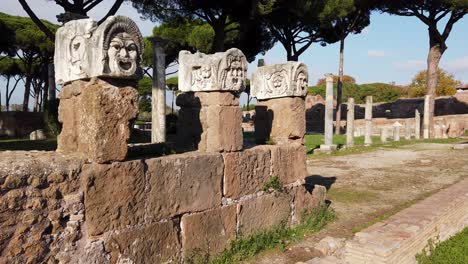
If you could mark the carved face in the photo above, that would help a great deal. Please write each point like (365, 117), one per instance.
(235, 74)
(122, 54)
(301, 81)
(77, 49)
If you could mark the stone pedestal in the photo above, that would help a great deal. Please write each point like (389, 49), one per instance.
(426, 120)
(368, 118)
(280, 111)
(350, 123)
(383, 134)
(280, 120)
(209, 122)
(396, 131)
(95, 119)
(407, 129)
(417, 124)
(210, 119)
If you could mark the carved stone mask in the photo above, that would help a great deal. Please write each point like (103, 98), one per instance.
(122, 55)
(301, 81)
(77, 50)
(235, 74)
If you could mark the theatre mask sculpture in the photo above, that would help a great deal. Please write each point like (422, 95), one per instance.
(222, 71)
(85, 50)
(280, 80)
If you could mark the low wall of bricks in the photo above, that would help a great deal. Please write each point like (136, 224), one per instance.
(399, 238)
(57, 208)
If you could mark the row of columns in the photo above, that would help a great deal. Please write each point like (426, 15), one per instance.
(328, 137)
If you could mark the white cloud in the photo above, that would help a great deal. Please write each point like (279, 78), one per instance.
(376, 53)
(457, 66)
(410, 65)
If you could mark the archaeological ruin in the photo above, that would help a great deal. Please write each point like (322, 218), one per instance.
(88, 202)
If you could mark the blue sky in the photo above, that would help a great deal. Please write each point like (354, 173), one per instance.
(391, 49)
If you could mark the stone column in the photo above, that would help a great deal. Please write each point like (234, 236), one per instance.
(98, 67)
(417, 125)
(426, 125)
(396, 131)
(383, 134)
(280, 90)
(158, 94)
(328, 135)
(368, 118)
(350, 123)
(210, 119)
(407, 129)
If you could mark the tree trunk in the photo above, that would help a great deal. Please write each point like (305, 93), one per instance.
(220, 35)
(339, 89)
(27, 91)
(435, 53)
(51, 82)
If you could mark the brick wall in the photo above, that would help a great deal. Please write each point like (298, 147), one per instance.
(58, 208)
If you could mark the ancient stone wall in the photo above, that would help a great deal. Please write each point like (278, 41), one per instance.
(60, 208)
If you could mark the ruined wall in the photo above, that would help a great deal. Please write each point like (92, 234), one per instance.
(58, 209)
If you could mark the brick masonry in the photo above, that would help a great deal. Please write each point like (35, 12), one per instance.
(399, 238)
(62, 208)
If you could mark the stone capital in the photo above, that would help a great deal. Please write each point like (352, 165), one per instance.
(222, 71)
(280, 80)
(84, 49)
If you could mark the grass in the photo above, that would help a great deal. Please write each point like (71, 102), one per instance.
(273, 184)
(451, 251)
(279, 237)
(350, 196)
(314, 141)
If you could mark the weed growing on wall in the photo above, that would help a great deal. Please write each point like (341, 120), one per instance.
(273, 184)
(453, 250)
(279, 237)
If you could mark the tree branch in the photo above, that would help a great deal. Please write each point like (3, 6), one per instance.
(90, 5)
(112, 11)
(37, 21)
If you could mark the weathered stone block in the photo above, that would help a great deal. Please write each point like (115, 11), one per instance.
(306, 199)
(281, 120)
(96, 122)
(288, 162)
(184, 183)
(222, 129)
(280, 80)
(222, 71)
(209, 122)
(156, 243)
(246, 172)
(114, 195)
(264, 212)
(208, 232)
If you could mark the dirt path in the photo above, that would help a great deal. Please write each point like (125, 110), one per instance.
(364, 188)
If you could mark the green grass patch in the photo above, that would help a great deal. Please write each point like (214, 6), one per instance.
(314, 141)
(343, 195)
(279, 237)
(273, 184)
(451, 251)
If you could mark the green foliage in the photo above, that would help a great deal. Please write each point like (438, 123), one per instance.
(51, 122)
(381, 92)
(27, 36)
(446, 85)
(232, 23)
(201, 38)
(144, 86)
(346, 79)
(144, 116)
(453, 250)
(251, 107)
(280, 237)
(144, 104)
(272, 184)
